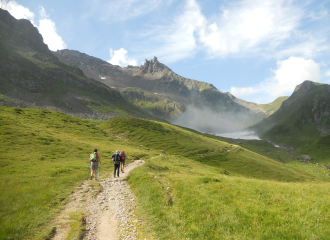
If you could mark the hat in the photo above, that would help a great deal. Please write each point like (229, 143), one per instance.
(117, 151)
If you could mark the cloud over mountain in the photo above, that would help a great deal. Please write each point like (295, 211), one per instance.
(289, 73)
(46, 26)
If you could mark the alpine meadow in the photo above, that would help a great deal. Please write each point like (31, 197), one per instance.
(192, 185)
(181, 180)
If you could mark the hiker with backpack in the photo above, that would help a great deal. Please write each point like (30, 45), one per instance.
(95, 161)
(116, 158)
(122, 163)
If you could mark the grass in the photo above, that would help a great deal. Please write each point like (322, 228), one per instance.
(153, 103)
(186, 200)
(299, 123)
(77, 228)
(272, 107)
(194, 185)
(44, 155)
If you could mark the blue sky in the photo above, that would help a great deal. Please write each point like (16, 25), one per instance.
(256, 49)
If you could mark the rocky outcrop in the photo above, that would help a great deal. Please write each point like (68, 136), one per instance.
(153, 67)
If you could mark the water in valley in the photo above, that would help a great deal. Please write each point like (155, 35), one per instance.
(246, 135)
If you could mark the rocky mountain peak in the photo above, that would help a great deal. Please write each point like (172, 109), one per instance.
(153, 66)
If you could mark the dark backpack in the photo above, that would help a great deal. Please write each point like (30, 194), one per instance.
(117, 158)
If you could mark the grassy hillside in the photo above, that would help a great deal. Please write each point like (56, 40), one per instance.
(44, 155)
(155, 104)
(272, 107)
(181, 199)
(191, 184)
(228, 158)
(303, 122)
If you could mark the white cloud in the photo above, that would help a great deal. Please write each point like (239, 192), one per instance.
(16, 10)
(119, 57)
(269, 28)
(289, 73)
(121, 10)
(327, 73)
(47, 29)
(250, 26)
(46, 26)
(177, 41)
(243, 91)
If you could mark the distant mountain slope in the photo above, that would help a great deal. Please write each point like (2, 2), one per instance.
(153, 103)
(302, 121)
(272, 107)
(31, 76)
(199, 98)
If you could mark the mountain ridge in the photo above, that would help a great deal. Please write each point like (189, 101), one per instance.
(31, 76)
(156, 78)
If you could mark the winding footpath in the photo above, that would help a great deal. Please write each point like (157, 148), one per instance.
(110, 212)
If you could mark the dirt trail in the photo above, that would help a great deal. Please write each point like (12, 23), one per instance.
(110, 212)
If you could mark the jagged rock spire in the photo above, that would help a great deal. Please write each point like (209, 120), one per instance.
(152, 66)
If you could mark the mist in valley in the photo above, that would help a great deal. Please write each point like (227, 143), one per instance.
(208, 121)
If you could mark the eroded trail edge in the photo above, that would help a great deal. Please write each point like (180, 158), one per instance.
(110, 212)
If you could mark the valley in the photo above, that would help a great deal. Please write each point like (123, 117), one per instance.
(200, 179)
(228, 188)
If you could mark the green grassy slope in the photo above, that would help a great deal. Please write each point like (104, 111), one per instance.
(44, 155)
(272, 107)
(181, 199)
(155, 104)
(228, 158)
(300, 122)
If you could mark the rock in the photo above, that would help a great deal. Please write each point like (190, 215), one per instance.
(306, 157)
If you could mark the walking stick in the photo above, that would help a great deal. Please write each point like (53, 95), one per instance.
(98, 173)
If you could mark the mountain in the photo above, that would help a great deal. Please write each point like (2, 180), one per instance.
(194, 104)
(302, 121)
(31, 76)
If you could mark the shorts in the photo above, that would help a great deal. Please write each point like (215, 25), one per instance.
(122, 163)
(94, 165)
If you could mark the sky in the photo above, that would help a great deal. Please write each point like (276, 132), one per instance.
(257, 50)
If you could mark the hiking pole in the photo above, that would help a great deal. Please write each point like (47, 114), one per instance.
(98, 173)
(90, 170)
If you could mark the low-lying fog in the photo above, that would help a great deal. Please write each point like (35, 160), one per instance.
(228, 124)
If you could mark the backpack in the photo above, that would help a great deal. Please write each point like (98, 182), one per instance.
(123, 155)
(117, 158)
(93, 157)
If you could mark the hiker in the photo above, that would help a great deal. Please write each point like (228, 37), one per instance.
(95, 160)
(122, 163)
(116, 158)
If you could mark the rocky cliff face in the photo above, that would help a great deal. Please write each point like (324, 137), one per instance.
(31, 76)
